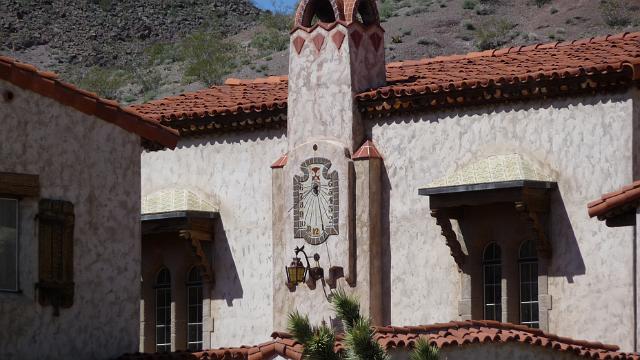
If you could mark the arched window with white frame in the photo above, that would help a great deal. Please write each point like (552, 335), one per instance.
(528, 264)
(163, 311)
(492, 282)
(194, 309)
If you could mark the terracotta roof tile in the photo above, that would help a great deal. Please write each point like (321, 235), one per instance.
(234, 97)
(47, 84)
(281, 162)
(617, 56)
(455, 333)
(616, 201)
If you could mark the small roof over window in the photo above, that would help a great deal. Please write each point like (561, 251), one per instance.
(493, 172)
(176, 200)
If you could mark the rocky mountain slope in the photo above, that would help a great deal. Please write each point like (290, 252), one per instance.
(138, 50)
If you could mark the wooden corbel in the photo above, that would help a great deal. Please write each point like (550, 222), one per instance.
(532, 214)
(443, 219)
(195, 238)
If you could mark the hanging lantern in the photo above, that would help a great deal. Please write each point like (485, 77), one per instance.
(296, 272)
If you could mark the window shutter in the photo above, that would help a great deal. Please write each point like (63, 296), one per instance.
(55, 235)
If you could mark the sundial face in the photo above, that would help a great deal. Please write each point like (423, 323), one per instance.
(315, 201)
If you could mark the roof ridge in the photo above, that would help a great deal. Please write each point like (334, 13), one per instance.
(513, 49)
(262, 80)
(48, 84)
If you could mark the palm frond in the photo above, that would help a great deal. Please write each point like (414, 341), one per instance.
(299, 327)
(424, 351)
(320, 345)
(360, 342)
(347, 308)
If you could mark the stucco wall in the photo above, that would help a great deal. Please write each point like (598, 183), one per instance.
(96, 166)
(235, 169)
(587, 142)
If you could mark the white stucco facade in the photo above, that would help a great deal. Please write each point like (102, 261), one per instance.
(96, 166)
(586, 142)
(235, 169)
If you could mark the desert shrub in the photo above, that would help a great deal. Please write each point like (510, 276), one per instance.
(469, 4)
(541, 3)
(428, 42)
(615, 12)
(387, 9)
(417, 10)
(485, 10)
(163, 53)
(494, 33)
(553, 10)
(469, 25)
(209, 57)
(270, 40)
(104, 81)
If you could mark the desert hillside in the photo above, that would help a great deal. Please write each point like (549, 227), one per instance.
(135, 51)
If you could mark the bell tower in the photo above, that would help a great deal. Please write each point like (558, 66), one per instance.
(326, 189)
(336, 51)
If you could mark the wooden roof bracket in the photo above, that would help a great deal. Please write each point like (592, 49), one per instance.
(443, 219)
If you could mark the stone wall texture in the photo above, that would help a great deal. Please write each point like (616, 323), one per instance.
(586, 142)
(235, 170)
(96, 166)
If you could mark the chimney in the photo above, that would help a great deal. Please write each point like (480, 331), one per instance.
(336, 51)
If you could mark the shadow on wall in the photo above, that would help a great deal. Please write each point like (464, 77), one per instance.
(232, 138)
(227, 281)
(386, 247)
(567, 259)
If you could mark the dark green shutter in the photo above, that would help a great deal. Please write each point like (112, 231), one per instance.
(55, 237)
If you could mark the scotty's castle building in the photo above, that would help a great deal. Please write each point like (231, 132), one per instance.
(456, 191)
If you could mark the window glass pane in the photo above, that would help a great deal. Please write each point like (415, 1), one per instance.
(194, 310)
(529, 285)
(8, 244)
(492, 277)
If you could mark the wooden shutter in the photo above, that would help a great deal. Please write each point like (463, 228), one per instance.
(55, 236)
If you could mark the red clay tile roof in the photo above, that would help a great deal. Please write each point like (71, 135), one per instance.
(616, 202)
(541, 70)
(47, 84)
(234, 97)
(515, 65)
(455, 333)
(367, 151)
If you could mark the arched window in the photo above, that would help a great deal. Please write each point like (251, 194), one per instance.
(163, 311)
(367, 12)
(492, 280)
(194, 309)
(528, 263)
(318, 10)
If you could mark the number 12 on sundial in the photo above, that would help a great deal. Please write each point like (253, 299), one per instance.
(315, 201)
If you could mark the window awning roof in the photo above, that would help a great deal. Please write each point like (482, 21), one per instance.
(177, 200)
(494, 172)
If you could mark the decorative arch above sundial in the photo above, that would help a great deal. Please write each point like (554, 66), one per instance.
(315, 201)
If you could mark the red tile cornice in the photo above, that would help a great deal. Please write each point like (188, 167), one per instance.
(541, 70)
(443, 335)
(610, 202)
(367, 151)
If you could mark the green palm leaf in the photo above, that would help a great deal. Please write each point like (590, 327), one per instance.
(424, 351)
(300, 328)
(347, 308)
(360, 342)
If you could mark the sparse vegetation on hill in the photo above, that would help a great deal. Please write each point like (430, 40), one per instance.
(136, 51)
